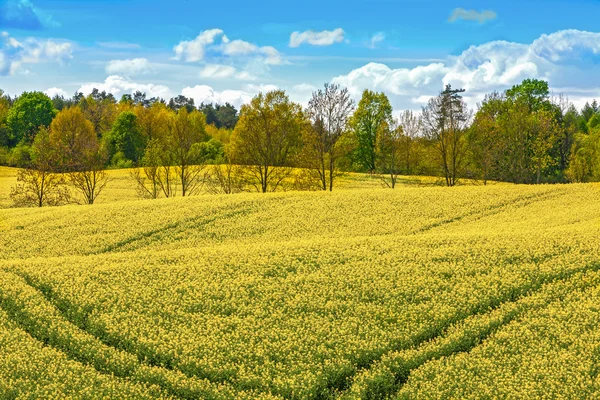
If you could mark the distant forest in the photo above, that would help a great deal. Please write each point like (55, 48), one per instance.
(522, 135)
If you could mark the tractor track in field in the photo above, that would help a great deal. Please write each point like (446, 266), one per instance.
(403, 378)
(81, 320)
(173, 228)
(72, 314)
(17, 312)
(516, 295)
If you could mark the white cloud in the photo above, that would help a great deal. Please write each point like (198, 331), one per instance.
(118, 85)
(54, 91)
(206, 94)
(472, 15)
(376, 39)
(239, 47)
(218, 71)
(129, 67)
(302, 93)
(270, 55)
(401, 81)
(15, 54)
(194, 50)
(323, 38)
(564, 58)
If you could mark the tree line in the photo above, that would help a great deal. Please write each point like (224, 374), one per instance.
(521, 135)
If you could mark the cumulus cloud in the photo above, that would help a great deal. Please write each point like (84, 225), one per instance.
(556, 57)
(21, 14)
(194, 50)
(323, 38)
(54, 91)
(15, 54)
(206, 94)
(129, 67)
(270, 55)
(207, 42)
(118, 85)
(472, 15)
(401, 81)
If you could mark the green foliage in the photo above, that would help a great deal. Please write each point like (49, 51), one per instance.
(4, 131)
(31, 111)
(100, 109)
(593, 122)
(221, 116)
(374, 113)
(19, 156)
(511, 140)
(212, 151)
(127, 138)
(585, 157)
(120, 160)
(533, 92)
(179, 102)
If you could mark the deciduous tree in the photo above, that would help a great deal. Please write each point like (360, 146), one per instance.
(389, 142)
(30, 111)
(186, 132)
(268, 137)
(446, 119)
(373, 113)
(81, 156)
(39, 184)
(329, 110)
(126, 136)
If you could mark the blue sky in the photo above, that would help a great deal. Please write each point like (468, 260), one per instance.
(228, 51)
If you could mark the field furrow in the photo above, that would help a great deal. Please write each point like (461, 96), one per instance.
(26, 306)
(295, 295)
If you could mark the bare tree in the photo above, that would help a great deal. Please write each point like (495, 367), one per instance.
(156, 175)
(225, 179)
(412, 126)
(388, 151)
(90, 178)
(329, 110)
(445, 121)
(187, 131)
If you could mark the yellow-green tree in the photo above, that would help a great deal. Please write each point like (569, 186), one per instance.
(39, 184)
(268, 137)
(79, 153)
(187, 130)
(100, 109)
(153, 121)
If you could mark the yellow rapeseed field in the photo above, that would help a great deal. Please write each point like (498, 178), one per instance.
(362, 293)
